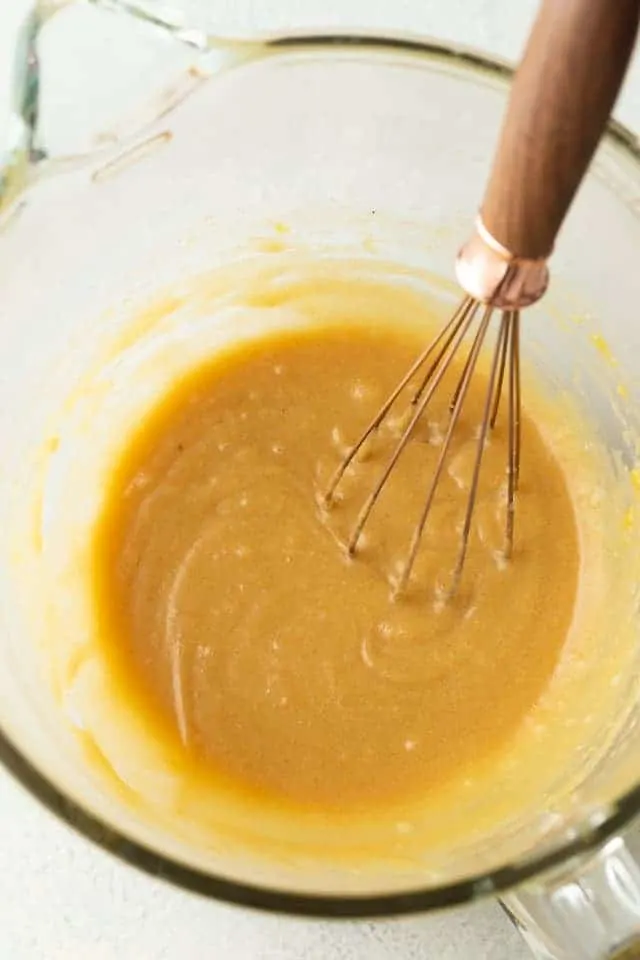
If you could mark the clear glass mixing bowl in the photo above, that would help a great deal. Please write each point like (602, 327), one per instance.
(200, 146)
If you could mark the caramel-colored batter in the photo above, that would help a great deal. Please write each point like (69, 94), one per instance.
(235, 620)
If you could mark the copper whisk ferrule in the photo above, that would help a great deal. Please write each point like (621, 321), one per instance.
(489, 273)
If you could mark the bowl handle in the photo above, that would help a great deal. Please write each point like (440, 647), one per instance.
(591, 912)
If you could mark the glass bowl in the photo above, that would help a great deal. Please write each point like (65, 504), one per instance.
(249, 148)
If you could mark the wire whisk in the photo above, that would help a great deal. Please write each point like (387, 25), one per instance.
(554, 120)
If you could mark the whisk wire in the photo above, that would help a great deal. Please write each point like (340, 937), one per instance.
(514, 428)
(461, 393)
(447, 333)
(468, 306)
(492, 399)
(454, 345)
(517, 419)
(503, 346)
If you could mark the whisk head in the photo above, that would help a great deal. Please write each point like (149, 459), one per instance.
(427, 373)
(497, 283)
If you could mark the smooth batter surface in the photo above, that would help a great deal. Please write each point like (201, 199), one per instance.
(231, 614)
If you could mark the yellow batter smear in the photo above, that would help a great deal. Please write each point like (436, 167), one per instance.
(264, 657)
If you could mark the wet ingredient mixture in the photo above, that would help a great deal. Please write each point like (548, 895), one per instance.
(231, 613)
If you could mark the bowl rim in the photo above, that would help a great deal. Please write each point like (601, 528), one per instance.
(339, 906)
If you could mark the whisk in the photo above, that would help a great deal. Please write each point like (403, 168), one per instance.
(563, 92)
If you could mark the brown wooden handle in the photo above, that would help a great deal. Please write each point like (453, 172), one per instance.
(562, 95)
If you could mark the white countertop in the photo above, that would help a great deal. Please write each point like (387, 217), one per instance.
(61, 899)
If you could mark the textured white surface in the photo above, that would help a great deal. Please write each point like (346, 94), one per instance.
(63, 900)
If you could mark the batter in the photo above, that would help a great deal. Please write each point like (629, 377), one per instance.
(233, 617)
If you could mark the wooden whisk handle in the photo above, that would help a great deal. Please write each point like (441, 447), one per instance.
(563, 93)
